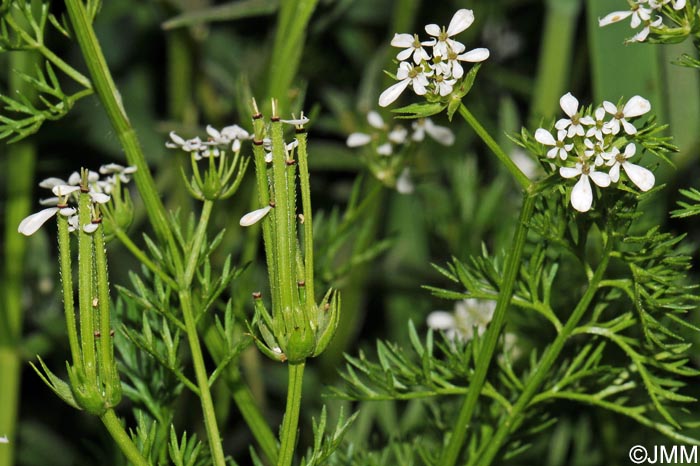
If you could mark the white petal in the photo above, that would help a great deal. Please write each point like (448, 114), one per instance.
(398, 135)
(544, 137)
(63, 190)
(385, 149)
(404, 185)
(67, 211)
(213, 132)
(99, 198)
(49, 201)
(254, 217)
(679, 4)
(600, 178)
(441, 134)
(74, 179)
(476, 55)
(610, 107)
(582, 195)
(393, 93)
(4, 439)
(358, 139)
(569, 172)
(433, 29)
(630, 150)
(615, 173)
(296, 122)
(31, 224)
(375, 120)
(636, 106)
(614, 17)
(440, 320)
(402, 40)
(461, 20)
(640, 176)
(629, 127)
(91, 227)
(51, 182)
(569, 104)
(176, 139)
(404, 54)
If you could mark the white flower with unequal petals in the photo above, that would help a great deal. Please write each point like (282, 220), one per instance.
(635, 107)
(441, 134)
(595, 150)
(450, 66)
(638, 13)
(460, 21)
(251, 218)
(443, 85)
(599, 129)
(232, 134)
(412, 47)
(575, 122)
(658, 4)
(559, 146)
(640, 176)
(582, 194)
(642, 35)
(407, 74)
(32, 223)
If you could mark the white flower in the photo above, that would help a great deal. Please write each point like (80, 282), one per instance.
(358, 140)
(658, 4)
(460, 21)
(638, 13)
(644, 33)
(450, 66)
(254, 217)
(640, 176)
(635, 107)
(443, 85)
(412, 46)
(301, 121)
(595, 150)
(441, 134)
(559, 146)
(575, 122)
(407, 74)
(119, 171)
(232, 134)
(599, 129)
(32, 223)
(582, 195)
(4, 439)
(188, 145)
(460, 324)
(398, 135)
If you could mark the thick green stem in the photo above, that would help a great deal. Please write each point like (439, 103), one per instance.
(519, 176)
(308, 220)
(538, 376)
(116, 430)
(66, 271)
(202, 379)
(85, 289)
(483, 362)
(290, 422)
(111, 100)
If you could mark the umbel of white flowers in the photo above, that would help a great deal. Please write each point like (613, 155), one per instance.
(437, 73)
(65, 197)
(594, 145)
(642, 13)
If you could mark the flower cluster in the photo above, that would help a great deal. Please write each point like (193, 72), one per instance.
(387, 141)
(586, 143)
(217, 142)
(643, 13)
(437, 74)
(65, 197)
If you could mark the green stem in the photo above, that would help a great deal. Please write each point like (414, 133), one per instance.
(111, 100)
(66, 271)
(116, 430)
(196, 245)
(542, 370)
(202, 378)
(290, 423)
(519, 176)
(483, 362)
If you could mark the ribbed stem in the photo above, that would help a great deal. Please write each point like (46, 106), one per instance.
(290, 422)
(493, 331)
(116, 430)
